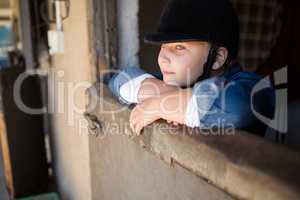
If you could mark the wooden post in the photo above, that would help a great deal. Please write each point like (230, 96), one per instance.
(6, 157)
(103, 35)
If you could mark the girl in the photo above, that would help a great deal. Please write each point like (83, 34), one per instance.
(203, 85)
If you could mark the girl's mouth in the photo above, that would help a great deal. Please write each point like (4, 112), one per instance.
(168, 72)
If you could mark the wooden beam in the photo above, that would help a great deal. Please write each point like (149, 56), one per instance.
(27, 34)
(243, 165)
(6, 157)
(103, 35)
(5, 22)
(6, 13)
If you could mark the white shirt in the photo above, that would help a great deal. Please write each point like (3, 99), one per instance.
(129, 91)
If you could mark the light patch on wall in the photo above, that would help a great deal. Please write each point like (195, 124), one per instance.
(4, 4)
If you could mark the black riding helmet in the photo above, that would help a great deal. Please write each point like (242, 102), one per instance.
(214, 21)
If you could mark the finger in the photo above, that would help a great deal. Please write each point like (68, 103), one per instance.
(140, 124)
(132, 126)
(139, 128)
(132, 115)
(136, 126)
(133, 123)
(175, 123)
(133, 118)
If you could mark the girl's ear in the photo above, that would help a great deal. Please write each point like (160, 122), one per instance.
(221, 57)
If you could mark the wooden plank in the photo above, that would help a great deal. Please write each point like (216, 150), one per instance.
(5, 13)
(4, 194)
(243, 165)
(4, 22)
(103, 35)
(27, 34)
(6, 157)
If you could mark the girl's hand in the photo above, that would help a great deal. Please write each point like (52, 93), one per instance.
(144, 114)
(172, 122)
(170, 106)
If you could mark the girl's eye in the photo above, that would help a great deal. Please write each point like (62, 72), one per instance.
(179, 47)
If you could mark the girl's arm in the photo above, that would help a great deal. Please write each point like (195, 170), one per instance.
(152, 87)
(183, 106)
(208, 104)
(134, 85)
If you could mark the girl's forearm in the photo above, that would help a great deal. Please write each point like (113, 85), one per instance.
(152, 87)
(173, 105)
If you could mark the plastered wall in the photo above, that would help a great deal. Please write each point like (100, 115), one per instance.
(70, 77)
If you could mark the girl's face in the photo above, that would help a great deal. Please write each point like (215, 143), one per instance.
(181, 63)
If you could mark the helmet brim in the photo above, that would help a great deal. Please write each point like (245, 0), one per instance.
(160, 38)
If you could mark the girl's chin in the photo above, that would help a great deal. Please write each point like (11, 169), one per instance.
(171, 82)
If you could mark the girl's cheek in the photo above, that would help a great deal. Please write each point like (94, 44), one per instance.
(184, 62)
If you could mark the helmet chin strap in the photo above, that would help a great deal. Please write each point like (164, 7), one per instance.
(207, 68)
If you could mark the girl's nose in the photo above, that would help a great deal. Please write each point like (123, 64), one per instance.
(163, 57)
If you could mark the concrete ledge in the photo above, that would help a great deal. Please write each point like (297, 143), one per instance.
(243, 165)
